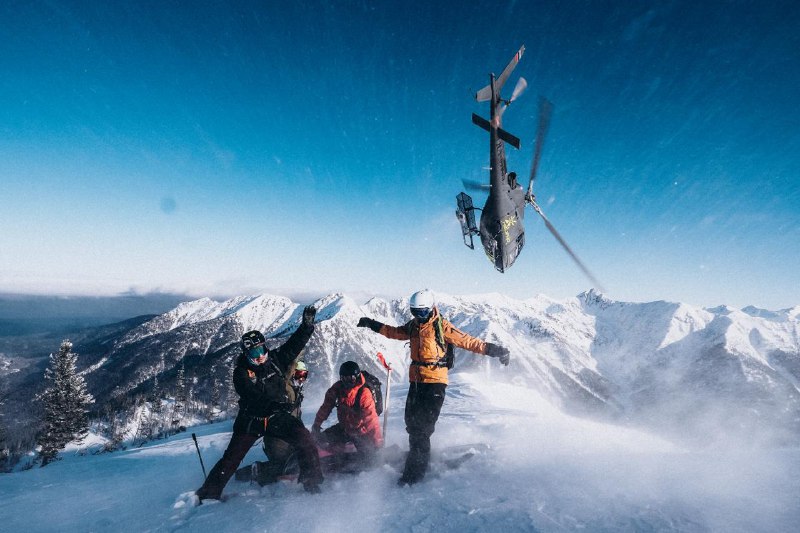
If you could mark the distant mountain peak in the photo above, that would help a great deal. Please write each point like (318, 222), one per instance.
(595, 298)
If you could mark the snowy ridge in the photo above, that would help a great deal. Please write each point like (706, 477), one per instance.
(656, 377)
(647, 362)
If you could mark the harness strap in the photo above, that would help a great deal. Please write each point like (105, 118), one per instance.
(441, 363)
(259, 420)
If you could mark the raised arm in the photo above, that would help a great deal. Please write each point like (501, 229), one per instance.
(291, 349)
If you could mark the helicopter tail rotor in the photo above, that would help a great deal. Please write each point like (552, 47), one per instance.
(519, 88)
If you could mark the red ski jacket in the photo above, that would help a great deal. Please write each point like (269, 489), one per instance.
(362, 421)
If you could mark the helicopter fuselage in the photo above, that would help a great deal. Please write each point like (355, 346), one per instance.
(501, 228)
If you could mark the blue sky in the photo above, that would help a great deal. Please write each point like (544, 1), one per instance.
(223, 149)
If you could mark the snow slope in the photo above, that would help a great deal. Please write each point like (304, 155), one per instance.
(546, 471)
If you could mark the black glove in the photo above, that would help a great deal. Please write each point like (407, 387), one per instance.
(495, 350)
(365, 322)
(309, 313)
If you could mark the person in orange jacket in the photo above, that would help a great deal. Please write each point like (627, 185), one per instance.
(429, 335)
(355, 408)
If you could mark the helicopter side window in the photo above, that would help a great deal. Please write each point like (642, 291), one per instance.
(512, 180)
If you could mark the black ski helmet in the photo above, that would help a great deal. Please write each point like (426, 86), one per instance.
(349, 368)
(250, 340)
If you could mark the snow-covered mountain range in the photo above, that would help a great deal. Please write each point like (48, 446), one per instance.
(720, 377)
(692, 372)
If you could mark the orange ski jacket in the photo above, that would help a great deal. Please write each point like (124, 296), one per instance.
(427, 351)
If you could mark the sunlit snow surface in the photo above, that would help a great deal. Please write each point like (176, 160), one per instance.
(545, 471)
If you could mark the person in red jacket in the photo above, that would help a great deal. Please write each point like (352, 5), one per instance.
(355, 408)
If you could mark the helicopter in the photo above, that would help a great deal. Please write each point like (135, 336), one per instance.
(501, 230)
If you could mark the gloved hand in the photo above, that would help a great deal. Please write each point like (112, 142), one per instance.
(366, 322)
(309, 313)
(495, 350)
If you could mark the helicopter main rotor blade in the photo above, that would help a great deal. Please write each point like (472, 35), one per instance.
(545, 111)
(566, 247)
(476, 186)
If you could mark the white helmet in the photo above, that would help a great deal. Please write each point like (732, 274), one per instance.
(422, 300)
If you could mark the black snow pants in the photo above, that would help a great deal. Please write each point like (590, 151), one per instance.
(423, 405)
(246, 431)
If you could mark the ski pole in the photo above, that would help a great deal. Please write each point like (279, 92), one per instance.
(388, 390)
(194, 438)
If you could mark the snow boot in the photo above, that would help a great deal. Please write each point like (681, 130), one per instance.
(312, 488)
(208, 493)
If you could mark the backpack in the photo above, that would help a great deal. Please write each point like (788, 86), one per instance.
(374, 385)
(449, 358)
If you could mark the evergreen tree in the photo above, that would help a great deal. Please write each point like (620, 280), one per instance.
(140, 436)
(156, 421)
(216, 398)
(180, 396)
(191, 405)
(155, 397)
(115, 431)
(232, 398)
(65, 403)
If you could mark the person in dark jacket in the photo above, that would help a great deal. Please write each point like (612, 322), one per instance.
(429, 335)
(264, 408)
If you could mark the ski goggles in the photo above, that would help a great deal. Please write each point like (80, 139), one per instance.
(422, 313)
(350, 381)
(255, 352)
(300, 375)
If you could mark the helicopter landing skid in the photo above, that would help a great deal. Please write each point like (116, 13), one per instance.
(465, 212)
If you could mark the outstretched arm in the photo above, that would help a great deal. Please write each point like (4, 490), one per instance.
(462, 340)
(290, 350)
(399, 333)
